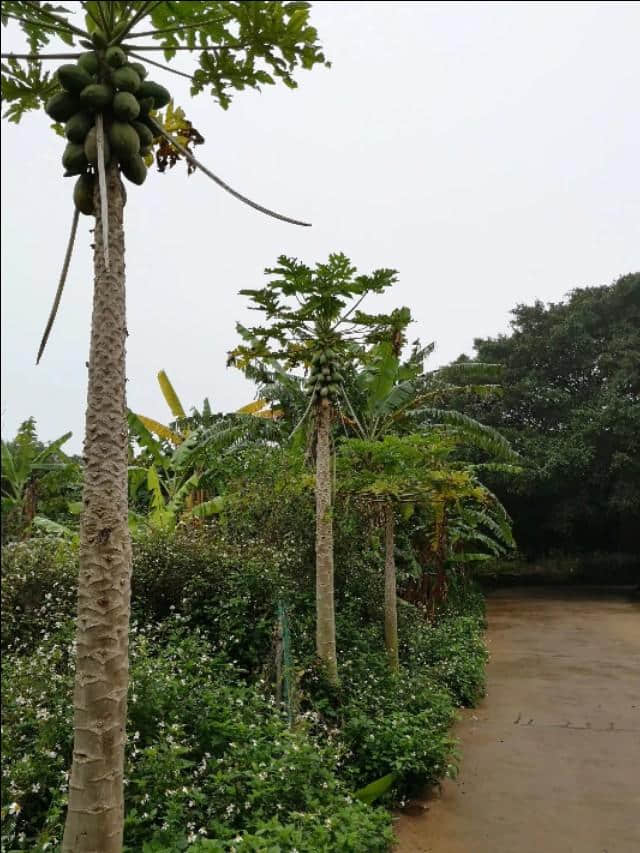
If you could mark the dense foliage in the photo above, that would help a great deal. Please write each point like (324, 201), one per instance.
(571, 406)
(211, 753)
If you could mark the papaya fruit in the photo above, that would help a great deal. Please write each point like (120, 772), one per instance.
(115, 56)
(134, 169)
(125, 79)
(61, 106)
(125, 106)
(139, 68)
(145, 133)
(160, 95)
(91, 148)
(88, 62)
(99, 40)
(73, 78)
(78, 126)
(324, 391)
(124, 140)
(96, 96)
(83, 194)
(74, 159)
(146, 104)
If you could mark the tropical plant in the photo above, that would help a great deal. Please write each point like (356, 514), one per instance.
(389, 397)
(239, 45)
(28, 467)
(397, 476)
(312, 324)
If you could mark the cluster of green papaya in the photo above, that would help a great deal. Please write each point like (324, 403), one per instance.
(324, 381)
(104, 82)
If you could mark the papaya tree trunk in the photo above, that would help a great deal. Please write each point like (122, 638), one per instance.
(325, 612)
(95, 815)
(390, 597)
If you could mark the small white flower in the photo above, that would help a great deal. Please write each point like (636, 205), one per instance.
(15, 808)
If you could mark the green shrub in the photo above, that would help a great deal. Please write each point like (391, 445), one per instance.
(452, 649)
(39, 583)
(201, 705)
(208, 755)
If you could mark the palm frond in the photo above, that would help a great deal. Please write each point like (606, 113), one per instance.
(476, 434)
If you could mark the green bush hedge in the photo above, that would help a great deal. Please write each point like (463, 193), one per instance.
(211, 759)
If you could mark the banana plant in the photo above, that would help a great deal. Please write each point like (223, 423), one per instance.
(168, 478)
(393, 396)
(183, 425)
(25, 462)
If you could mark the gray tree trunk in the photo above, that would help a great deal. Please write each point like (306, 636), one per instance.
(390, 597)
(95, 815)
(325, 612)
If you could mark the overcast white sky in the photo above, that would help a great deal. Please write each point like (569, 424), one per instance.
(487, 151)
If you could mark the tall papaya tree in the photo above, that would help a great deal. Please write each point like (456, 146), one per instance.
(312, 325)
(109, 108)
(396, 475)
(386, 397)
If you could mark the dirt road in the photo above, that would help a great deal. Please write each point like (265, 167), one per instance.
(551, 758)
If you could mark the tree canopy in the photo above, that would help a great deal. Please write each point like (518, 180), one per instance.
(571, 406)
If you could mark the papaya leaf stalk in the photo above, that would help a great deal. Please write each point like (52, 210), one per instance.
(61, 283)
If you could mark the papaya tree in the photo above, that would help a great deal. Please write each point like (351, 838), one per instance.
(395, 476)
(312, 325)
(386, 395)
(103, 102)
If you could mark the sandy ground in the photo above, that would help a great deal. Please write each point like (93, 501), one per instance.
(551, 757)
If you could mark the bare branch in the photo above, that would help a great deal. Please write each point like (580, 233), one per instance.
(42, 24)
(39, 56)
(350, 311)
(102, 180)
(219, 181)
(160, 65)
(177, 29)
(147, 9)
(61, 283)
(64, 22)
(176, 47)
(306, 412)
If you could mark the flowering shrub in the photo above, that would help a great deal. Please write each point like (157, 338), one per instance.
(208, 756)
(39, 582)
(453, 650)
(212, 763)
